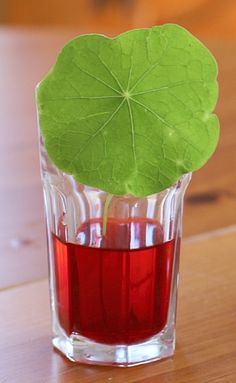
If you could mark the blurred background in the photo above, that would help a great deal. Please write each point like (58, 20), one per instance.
(31, 34)
(205, 18)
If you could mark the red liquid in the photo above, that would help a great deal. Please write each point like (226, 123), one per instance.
(114, 295)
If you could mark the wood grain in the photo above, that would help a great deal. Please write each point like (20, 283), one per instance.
(26, 55)
(206, 328)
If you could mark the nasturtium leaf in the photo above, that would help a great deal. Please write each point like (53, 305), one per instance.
(130, 114)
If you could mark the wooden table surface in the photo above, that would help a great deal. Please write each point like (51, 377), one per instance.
(206, 324)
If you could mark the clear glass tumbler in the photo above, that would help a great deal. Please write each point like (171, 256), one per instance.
(114, 264)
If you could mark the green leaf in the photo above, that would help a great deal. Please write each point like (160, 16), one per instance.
(131, 114)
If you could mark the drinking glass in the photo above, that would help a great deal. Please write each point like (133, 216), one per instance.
(113, 269)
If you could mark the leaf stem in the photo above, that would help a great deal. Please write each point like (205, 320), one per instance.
(105, 214)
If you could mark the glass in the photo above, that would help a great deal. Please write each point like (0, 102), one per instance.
(113, 263)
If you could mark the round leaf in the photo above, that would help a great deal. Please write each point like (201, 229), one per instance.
(130, 114)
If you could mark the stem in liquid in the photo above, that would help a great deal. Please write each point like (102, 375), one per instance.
(105, 214)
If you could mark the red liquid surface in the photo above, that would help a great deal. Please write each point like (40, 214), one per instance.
(113, 294)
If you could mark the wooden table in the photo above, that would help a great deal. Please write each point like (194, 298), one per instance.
(206, 325)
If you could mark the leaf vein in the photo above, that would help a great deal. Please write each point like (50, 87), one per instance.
(82, 97)
(147, 176)
(150, 69)
(96, 133)
(167, 87)
(112, 74)
(164, 122)
(132, 132)
(95, 77)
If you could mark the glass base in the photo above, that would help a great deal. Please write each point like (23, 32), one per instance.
(83, 350)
